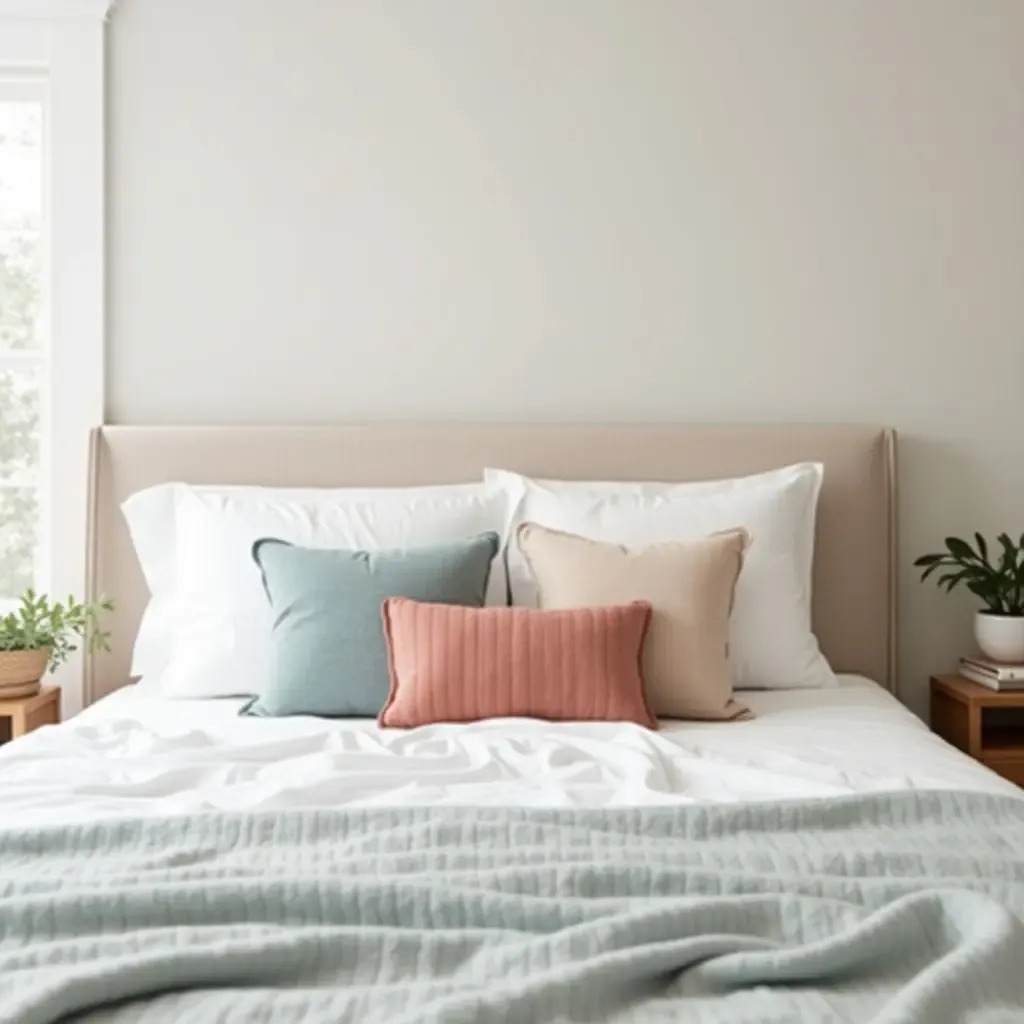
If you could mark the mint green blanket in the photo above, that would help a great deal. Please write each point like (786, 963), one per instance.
(899, 909)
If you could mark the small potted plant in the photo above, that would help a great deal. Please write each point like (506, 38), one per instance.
(999, 583)
(39, 635)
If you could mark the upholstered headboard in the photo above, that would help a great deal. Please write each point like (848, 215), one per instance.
(854, 578)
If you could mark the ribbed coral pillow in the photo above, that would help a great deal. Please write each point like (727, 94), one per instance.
(451, 663)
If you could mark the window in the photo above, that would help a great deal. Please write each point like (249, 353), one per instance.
(51, 293)
(23, 342)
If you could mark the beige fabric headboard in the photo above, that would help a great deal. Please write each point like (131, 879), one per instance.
(854, 579)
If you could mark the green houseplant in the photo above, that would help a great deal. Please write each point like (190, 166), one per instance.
(997, 579)
(40, 634)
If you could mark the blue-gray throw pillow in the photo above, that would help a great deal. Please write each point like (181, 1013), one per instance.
(328, 652)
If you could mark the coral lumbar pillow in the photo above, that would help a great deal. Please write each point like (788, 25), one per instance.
(690, 585)
(461, 664)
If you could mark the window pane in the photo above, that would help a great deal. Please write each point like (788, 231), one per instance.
(21, 157)
(20, 276)
(21, 218)
(19, 425)
(23, 374)
(19, 519)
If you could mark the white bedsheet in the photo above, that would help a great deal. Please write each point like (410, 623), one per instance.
(134, 753)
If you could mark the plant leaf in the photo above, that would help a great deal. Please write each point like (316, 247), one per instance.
(950, 580)
(982, 546)
(984, 591)
(936, 565)
(960, 549)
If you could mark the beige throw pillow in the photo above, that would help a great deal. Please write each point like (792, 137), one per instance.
(690, 586)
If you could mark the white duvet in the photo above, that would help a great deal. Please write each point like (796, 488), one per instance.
(137, 754)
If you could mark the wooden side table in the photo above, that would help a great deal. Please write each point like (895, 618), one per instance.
(28, 713)
(986, 724)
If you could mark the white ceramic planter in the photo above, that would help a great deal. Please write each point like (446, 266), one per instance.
(1001, 637)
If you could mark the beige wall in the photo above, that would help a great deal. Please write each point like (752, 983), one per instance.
(585, 210)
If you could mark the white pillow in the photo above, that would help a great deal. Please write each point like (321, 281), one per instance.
(207, 625)
(772, 645)
(151, 516)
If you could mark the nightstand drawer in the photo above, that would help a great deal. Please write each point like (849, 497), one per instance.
(27, 714)
(1012, 770)
(985, 724)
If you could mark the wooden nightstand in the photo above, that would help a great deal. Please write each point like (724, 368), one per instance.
(28, 713)
(986, 724)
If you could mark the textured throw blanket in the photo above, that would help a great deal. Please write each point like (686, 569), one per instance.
(890, 908)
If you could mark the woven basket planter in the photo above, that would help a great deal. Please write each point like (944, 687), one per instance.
(21, 671)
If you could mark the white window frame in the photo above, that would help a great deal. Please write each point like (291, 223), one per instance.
(64, 40)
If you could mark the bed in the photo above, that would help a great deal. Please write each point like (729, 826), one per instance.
(828, 859)
(136, 754)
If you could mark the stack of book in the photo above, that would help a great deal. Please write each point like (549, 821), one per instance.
(996, 675)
